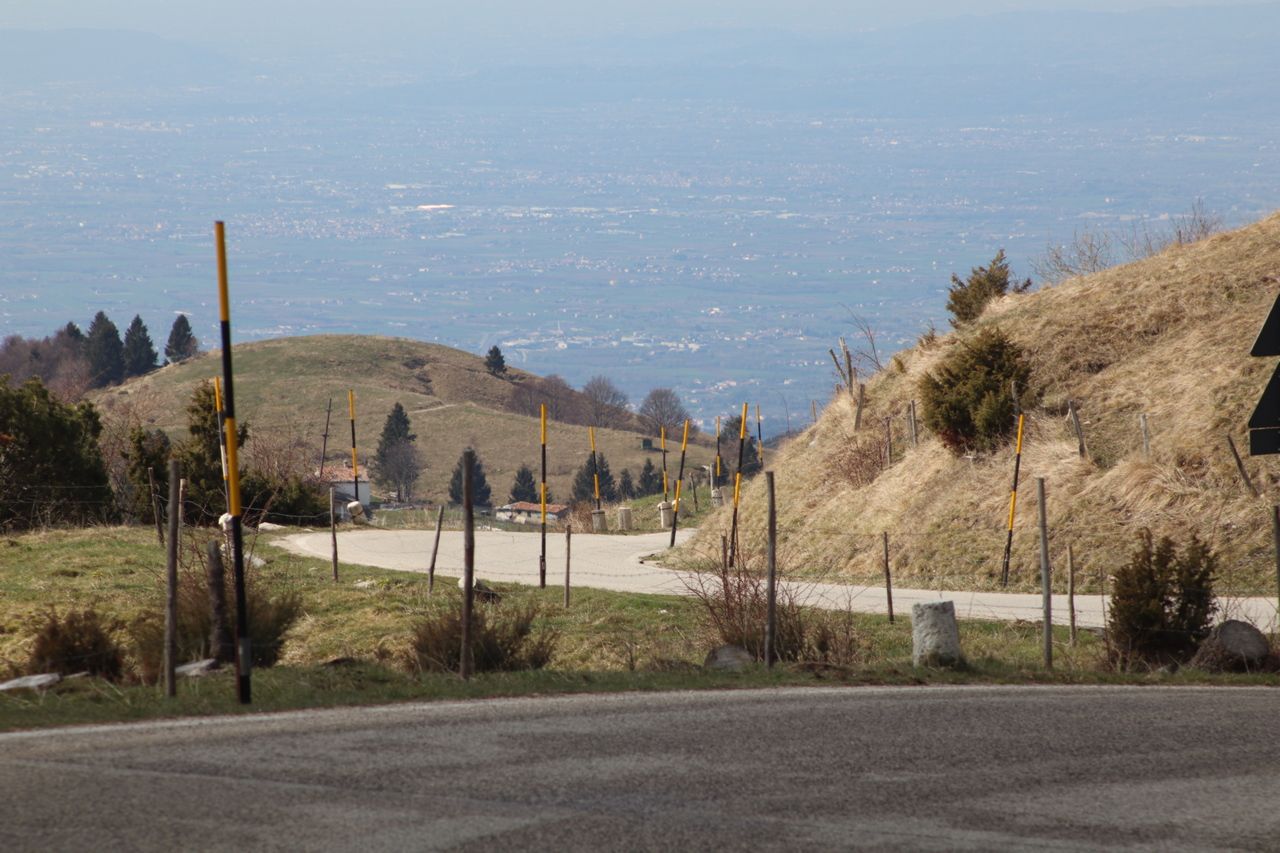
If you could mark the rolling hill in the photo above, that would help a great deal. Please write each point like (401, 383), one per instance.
(283, 387)
(1167, 336)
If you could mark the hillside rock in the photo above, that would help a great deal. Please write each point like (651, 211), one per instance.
(728, 659)
(1232, 646)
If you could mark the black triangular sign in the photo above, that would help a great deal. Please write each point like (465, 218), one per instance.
(1267, 413)
(1268, 342)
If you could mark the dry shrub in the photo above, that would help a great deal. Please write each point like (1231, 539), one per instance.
(75, 642)
(1162, 603)
(271, 615)
(735, 603)
(503, 639)
(859, 461)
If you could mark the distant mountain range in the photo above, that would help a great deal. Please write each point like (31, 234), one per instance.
(1166, 62)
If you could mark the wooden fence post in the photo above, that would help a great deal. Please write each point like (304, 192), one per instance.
(155, 506)
(771, 591)
(431, 570)
(224, 647)
(862, 399)
(1075, 423)
(568, 536)
(468, 560)
(171, 585)
(1244, 473)
(888, 581)
(1046, 576)
(1071, 590)
(333, 528)
(1146, 435)
(911, 424)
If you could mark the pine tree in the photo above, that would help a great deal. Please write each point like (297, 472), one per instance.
(650, 480)
(139, 352)
(626, 487)
(524, 487)
(584, 484)
(395, 464)
(50, 463)
(200, 456)
(182, 343)
(968, 298)
(494, 362)
(147, 449)
(72, 333)
(480, 491)
(105, 352)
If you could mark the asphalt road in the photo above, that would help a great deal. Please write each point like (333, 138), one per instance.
(614, 562)
(979, 768)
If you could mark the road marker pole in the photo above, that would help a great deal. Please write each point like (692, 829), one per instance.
(1013, 504)
(244, 657)
(675, 515)
(737, 486)
(171, 584)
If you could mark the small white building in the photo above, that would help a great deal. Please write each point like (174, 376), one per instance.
(345, 489)
(526, 512)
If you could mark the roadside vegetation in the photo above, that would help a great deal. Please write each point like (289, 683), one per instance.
(378, 636)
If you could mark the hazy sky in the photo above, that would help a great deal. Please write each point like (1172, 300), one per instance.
(459, 25)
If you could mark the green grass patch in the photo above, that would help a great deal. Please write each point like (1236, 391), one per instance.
(608, 641)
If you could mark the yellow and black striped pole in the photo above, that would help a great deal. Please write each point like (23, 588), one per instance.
(222, 437)
(675, 515)
(355, 463)
(542, 495)
(244, 657)
(759, 438)
(1013, 504)
(595, 469)
(737, 486)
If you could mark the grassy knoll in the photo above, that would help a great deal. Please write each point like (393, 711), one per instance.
(284, 385)
(608, 641)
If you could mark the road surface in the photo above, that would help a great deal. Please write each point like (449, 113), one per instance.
(615, 562)
(936, 768)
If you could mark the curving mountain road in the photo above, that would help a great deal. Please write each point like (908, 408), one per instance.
(938, 768)
(615, 562)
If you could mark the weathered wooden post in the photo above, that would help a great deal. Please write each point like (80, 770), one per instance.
(1046, 576)
(468, 560)
(888, 581)
(435, 548)
(771, 592)
(171, 585)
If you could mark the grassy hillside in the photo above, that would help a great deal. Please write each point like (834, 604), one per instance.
(1168, 336)
(284, 385)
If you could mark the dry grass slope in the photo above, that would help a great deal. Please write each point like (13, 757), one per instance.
(1168, 336)
(283, 385)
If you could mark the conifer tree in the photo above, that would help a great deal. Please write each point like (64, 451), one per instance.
(626, 486)
(494, 362)
(105, 352)
(182, 343)
(200, 456)
(139, 352)
(650, 480)
(584, 484)
(395, 463)
(525, 487)
(147, 449)
(480, 491)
